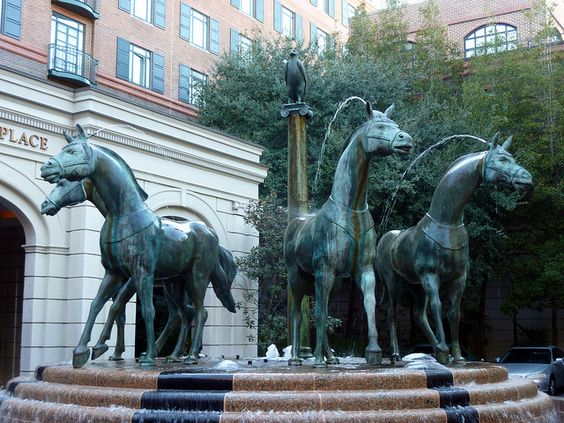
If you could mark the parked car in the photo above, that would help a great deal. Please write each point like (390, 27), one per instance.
(542, 364)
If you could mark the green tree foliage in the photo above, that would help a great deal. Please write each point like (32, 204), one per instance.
(436, 94)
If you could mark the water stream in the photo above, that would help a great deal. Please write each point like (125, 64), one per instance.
(391, 202)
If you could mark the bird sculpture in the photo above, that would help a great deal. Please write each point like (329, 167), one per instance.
(295, 77)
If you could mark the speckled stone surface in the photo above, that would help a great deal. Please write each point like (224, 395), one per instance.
(274, 392)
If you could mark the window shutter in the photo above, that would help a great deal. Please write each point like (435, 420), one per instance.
(183, 83)
(236, 3)
(158, 73)
(332, 8)
(277, 16)
(234, 41)
(313, 33)
(214, 36)
(13, 18)
(122, 59)
(185, 13)
(159, 16)
(125, 5)
(345, 12)
(259, 10)
(299, 32)
(314, 2)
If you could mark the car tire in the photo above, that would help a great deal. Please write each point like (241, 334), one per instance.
(551, 386)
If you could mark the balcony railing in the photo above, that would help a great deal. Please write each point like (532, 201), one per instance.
(72, 64)
(87, 8)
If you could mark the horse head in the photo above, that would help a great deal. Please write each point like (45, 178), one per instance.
(65, 193)
(382, 135)
(499, 166)
(73, 162)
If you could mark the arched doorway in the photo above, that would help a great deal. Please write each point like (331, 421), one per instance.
(12, 261)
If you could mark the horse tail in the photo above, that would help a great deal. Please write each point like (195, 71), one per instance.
(222, 277)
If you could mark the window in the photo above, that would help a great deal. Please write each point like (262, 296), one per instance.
(490, 39)
(139, 66)
(199, 29)
(348, 12)
(239, 43)
(322, 38)
(10, 18)
(252, 8)
(152, 11)
(190, 84)
(329, 7)
(67, 37)
(288, 23)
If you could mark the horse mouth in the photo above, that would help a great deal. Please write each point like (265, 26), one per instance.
(523, 186)
(402, 150)
(48, 208)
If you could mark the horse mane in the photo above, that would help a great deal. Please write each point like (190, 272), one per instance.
(115, 156)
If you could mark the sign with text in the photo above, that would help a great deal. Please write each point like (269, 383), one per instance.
(23, 138)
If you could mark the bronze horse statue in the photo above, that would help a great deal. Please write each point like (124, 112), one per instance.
(68, 193)
(134, 243)
(434, 253)
(339, 240)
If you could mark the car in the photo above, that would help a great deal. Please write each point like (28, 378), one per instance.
(542, 364)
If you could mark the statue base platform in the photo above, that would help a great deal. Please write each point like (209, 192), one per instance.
(261, 391)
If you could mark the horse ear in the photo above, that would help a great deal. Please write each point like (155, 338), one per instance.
(495, 139)
(390, 110)
(68, 136)
(369, 109)
(507, 143)
(81, 132)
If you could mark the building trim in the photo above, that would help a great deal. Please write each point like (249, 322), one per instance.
(22, 49)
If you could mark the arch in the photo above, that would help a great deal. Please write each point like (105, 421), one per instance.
(170, 203)
(490, 38)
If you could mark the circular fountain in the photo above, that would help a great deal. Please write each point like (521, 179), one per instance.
(266, 391)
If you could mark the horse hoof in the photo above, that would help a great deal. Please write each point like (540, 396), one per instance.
(115, 357)
(333, 360)
(294, 362)
(459, 359)
(146, 361)
(442, 357)
(80, 358)
(98, 350)
(190, 360)
(373, 357)
(172, 359)
(319, 364)
(395, 358)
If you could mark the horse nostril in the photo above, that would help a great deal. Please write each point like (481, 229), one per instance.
(401, 135)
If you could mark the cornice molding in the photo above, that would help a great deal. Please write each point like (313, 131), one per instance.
(134, 143)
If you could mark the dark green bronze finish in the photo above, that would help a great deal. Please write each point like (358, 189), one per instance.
(434, 253)
(133, 241)
(339, 240)
(295, 78)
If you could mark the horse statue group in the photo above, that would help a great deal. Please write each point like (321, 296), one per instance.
(339, 241)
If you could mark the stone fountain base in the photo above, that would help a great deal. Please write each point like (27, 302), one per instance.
(258, 391)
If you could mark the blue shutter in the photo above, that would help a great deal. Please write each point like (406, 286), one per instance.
(13, 18)
(125, 5)
(345, 12)
(158, 73)
(184, 83)
(313, 34)
(122, 59)
(332, 8)
(159, 16)
(277, 16)
(314, 2)
(234, 41)
(185, 12)
(214, 36)
(299, 32)
(236, 3)
(259, 10)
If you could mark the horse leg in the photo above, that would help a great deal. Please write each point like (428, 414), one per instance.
(296, 292)
(430, 283)
(107, 288)
(324, 280)
(197, 284)
(454, 316)
(186, 316)
(366, 281)
(173, 315)
(143, 277)
(120, 340)
(393, 300)
(117, 309)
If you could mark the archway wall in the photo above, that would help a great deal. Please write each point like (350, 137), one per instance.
(187, 170)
